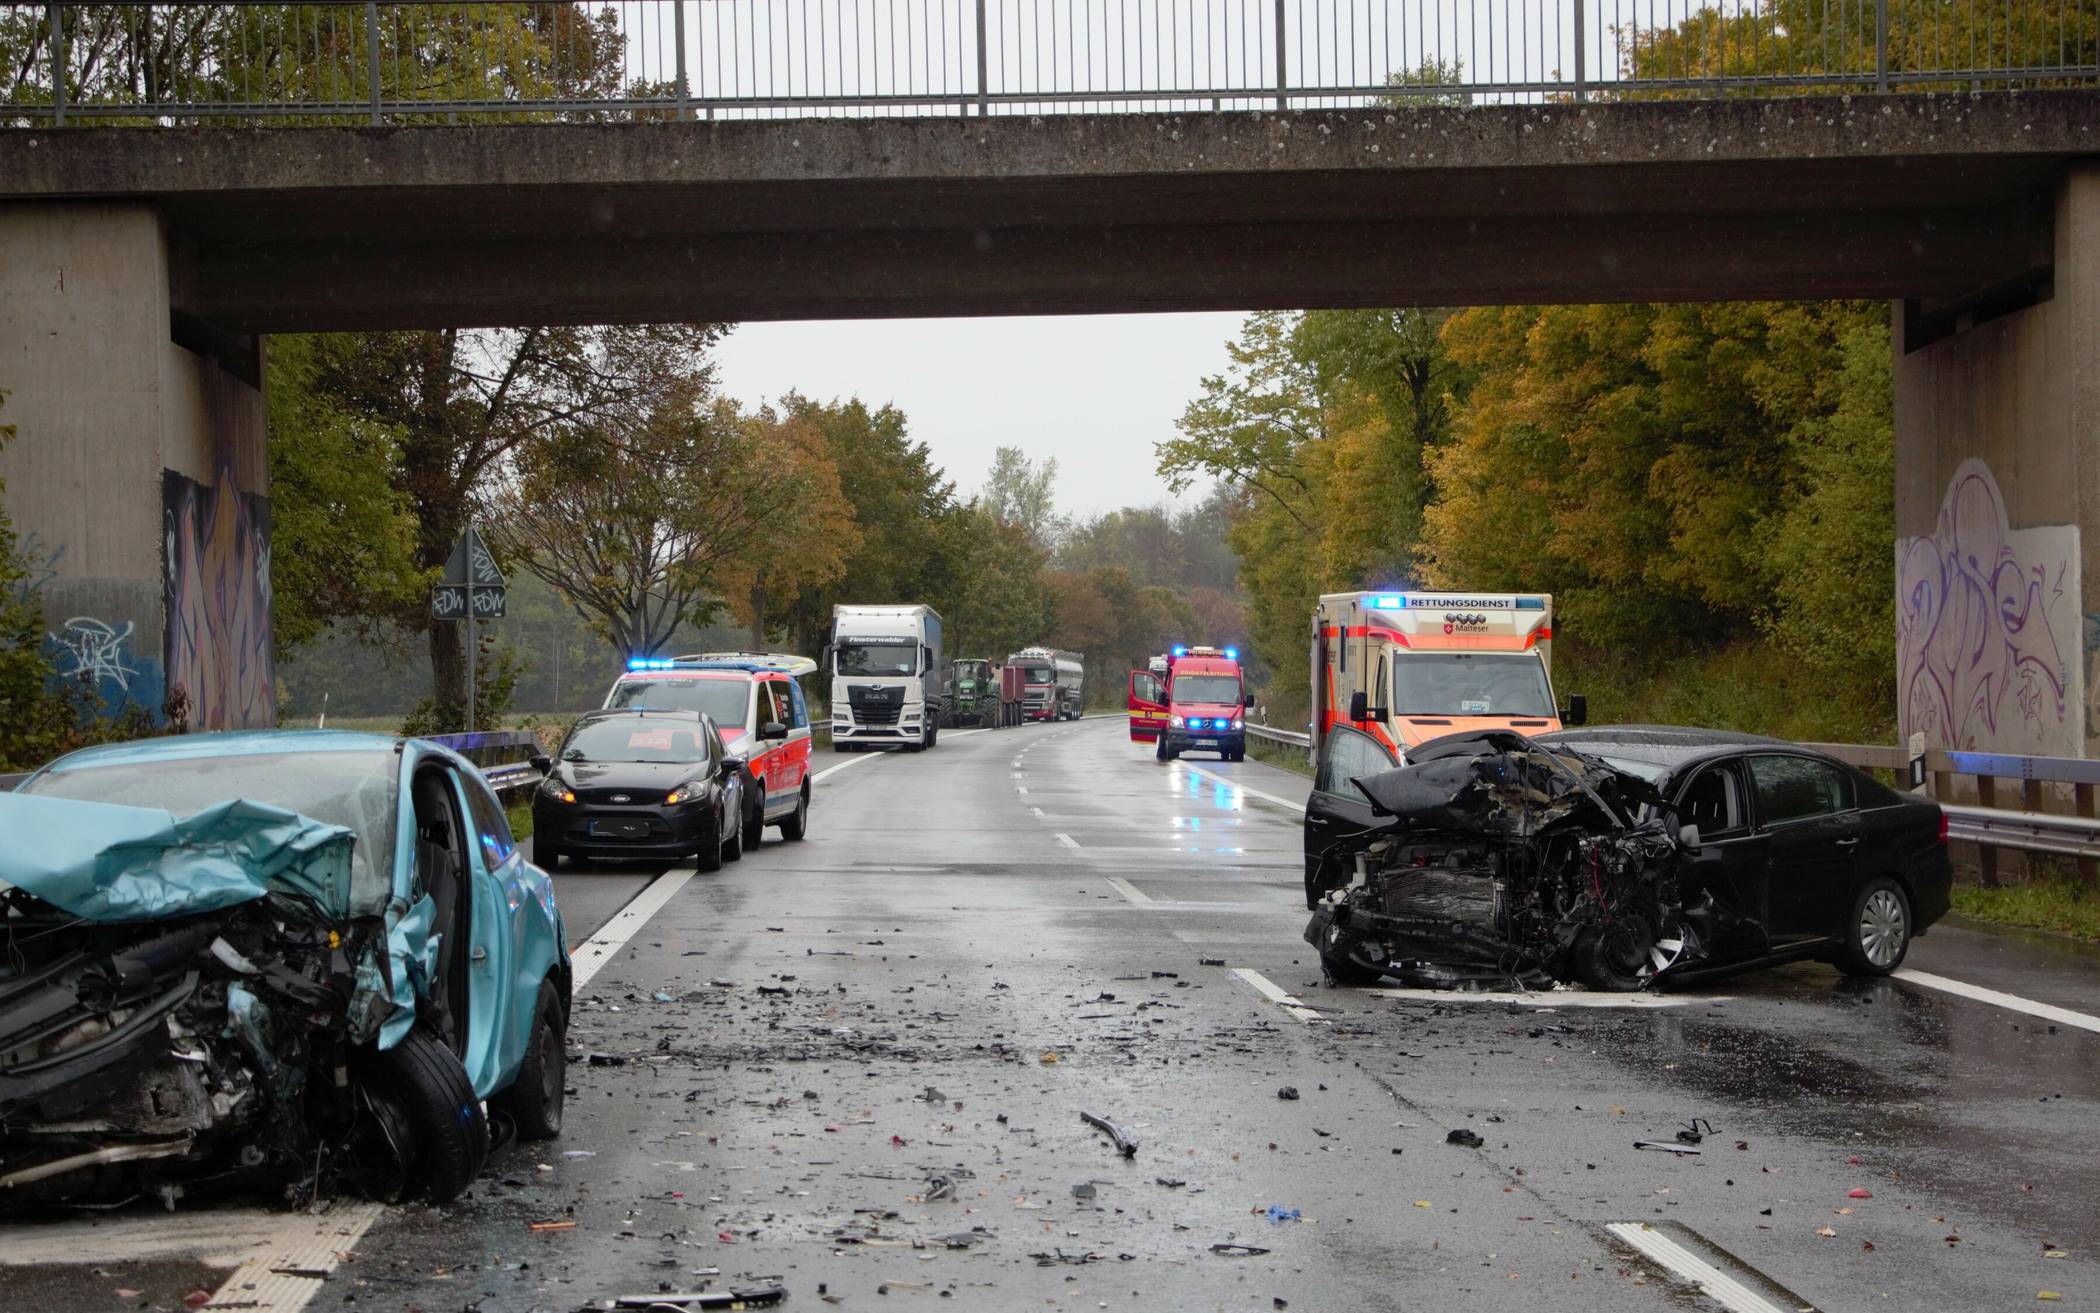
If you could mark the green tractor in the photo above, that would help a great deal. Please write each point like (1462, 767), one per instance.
(973, 695)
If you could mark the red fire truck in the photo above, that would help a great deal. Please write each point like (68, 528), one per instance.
(1192, 697)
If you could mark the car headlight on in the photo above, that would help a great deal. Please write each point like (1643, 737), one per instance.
(1175, 721)
(696, 791)
(555, 791)
(1237, 723)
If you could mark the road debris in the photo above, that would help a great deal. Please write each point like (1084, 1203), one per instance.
(1666, 1146)
(1235, 1250)
(1288, 1093)
(1465, 1136)
(1125, 1145)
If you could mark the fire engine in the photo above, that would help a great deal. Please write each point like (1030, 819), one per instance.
(1191, 697)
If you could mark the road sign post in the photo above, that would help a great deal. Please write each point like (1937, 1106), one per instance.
(473, 589)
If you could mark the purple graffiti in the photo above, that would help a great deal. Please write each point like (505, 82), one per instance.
(1984, 616)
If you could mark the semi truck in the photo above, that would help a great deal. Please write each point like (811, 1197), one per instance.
(1191, 698)
(1053, 683)
(889, 683)
(1401, 668)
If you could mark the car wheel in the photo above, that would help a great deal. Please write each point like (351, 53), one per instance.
(1625, 955)
(424, 1081)
(754, 824)
(546, 854)
(1878, 933)
(733, 850)
(1333, 944)
(533, 1101)
(797, 823)
(708, 857)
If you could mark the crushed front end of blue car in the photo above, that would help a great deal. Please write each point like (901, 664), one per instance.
(194, 1002)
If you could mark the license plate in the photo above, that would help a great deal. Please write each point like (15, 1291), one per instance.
(619, 829)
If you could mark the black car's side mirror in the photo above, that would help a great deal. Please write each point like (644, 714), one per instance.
(772, 729)
(730, 766)
(1247, 701)
(542, 763)
(1578, 711)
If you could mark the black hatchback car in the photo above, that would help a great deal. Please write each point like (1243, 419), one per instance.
(640, 784)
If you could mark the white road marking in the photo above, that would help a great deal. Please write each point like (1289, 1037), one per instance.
(1019, 789)
(1135, 895)
(1276, 994)
(1296, 808)
(2012, 1002)
(299, 1243)
(1717, 1285)
(830, 771)
(1547, 1000)
(1037, 810)
(1067, 840)
(593, 953)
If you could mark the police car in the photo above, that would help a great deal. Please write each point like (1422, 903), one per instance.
(756, 702)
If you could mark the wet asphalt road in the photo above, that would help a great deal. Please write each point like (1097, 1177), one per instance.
(866, 1085)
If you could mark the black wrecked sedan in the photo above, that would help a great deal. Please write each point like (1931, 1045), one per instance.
(640, 784)
(1618, 857)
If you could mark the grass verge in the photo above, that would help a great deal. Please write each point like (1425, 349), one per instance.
(2058, 904)
(1279, 754)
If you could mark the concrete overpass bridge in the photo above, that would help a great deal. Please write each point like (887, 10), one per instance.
(143, 261)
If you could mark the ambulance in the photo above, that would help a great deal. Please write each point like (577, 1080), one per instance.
(1403, 668)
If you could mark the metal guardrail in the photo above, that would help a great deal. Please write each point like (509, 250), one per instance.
(501, 756)
(1290, 738)
(417, 62)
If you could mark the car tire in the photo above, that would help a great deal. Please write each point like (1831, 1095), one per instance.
(1878, 933)
(708, 856)
(533, 1101)
(796, 824)
(426, 1082)
(1339, 968)
(754, 824)
(933, 735)
(733, 848)
(545, 854)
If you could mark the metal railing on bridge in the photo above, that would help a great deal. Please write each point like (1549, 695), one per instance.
(363, 61)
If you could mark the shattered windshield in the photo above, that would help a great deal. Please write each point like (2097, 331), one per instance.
(723, 700)
(355, 790)
(1470, 684)
(1206, 688)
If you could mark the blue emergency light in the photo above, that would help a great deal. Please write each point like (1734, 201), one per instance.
(650, 663)
(1389, 602)
(1180, 650)
(1232, 654)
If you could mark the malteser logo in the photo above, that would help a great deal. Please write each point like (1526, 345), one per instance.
(1457, 621)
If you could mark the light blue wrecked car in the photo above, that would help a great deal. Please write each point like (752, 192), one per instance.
(293, 961)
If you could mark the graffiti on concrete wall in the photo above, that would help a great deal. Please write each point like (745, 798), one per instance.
(103, 654)
(1988, 629)
(216, 571)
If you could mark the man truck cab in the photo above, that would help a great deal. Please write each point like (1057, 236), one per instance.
(1194, 697)
(889, 683)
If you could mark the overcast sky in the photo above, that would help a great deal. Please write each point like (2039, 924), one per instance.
(1096, 391)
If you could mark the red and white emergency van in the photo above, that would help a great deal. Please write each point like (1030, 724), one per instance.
(757, 702)
(1193, 697)
(1403, 668)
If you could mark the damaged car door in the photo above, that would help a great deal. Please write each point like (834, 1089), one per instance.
(1337, 814)
(1735, 875)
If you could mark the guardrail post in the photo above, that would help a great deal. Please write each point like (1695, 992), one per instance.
(59, 59)
(1283, 78)
(1881, 45)
(685, 110)
(1582, 57)
(984, 67)
(372, 55)
(2082, 803)
(1987, 854)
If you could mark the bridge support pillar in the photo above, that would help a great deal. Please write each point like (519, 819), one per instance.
(1998, 504)
(138, 477)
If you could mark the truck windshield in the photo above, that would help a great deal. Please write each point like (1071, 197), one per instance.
(722, 699)
(1470, 684)
(878, 658)
(1206, 688)
(1036, 674)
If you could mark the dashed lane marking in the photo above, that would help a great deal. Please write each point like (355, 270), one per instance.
(592, 954)
(2011, 1002)
(1136, 896)
(1277, 994)
(830, 771)
(1666, 1251)
(1067, 840)
(1295, 808)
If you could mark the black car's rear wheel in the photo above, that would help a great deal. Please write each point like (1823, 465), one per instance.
(534, 1100)
(1877, 934)
(754, 822)
(708, 857)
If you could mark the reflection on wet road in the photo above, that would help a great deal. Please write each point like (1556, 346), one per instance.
(856, 1066)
